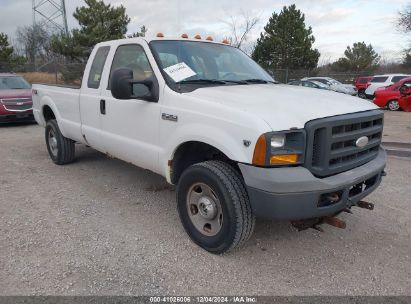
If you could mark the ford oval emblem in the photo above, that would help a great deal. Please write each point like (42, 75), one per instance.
(361, 142)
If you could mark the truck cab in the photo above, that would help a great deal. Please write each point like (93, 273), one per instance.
(211, 121)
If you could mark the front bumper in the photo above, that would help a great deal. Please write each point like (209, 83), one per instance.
(16, 117)
(294, 193)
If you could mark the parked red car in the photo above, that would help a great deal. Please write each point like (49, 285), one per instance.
(361, 83)
(15, 98)
(389, 97)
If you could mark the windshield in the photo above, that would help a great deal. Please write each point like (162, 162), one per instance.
(211, 63)
(320, 84)
(13, 83)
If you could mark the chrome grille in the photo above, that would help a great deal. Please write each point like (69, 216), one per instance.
(331, 142)
(17, 104)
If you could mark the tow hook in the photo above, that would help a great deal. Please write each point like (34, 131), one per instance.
(365, 205)
(316, 222)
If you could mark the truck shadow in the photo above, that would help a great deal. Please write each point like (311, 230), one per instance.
(17, 124)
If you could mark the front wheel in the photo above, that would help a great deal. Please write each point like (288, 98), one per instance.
(393, 105)
(60, 148)
(214, 207)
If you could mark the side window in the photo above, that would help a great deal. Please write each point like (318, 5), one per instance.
(132, 56)
(397, 78)
(379, 79)
(97, 66)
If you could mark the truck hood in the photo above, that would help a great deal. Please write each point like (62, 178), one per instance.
(281, 106)
(23, 93)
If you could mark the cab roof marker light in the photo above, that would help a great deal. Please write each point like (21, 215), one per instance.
(160, 35)
(225, 41)
(209, 38)
(197, 36)
(184, 36)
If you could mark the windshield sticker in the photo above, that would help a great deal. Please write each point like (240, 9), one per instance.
(179, 71)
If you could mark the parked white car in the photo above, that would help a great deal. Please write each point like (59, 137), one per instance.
(380, 81)
(210, 120)
(335, 85)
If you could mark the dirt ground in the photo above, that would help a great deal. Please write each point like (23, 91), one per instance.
(100, 226)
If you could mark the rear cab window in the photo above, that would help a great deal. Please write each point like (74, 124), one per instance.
(97, 66)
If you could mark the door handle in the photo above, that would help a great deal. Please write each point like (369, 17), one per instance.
(103, 106)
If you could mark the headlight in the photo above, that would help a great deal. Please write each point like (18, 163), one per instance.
(280, 148)
(278, 140)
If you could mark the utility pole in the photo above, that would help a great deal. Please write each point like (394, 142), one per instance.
(51, 13)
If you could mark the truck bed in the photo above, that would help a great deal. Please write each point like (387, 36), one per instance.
(65, 103)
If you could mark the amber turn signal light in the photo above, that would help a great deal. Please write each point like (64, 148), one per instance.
(260, 151)
(287, 159)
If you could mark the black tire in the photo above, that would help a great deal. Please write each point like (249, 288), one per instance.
(61, 149)
(237, 218)
(393, 105)
(361, 94)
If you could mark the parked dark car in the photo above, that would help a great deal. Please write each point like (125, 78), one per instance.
(309, 84)
(15, 98)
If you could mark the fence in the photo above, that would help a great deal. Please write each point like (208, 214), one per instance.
(65, 72)
(53, 72)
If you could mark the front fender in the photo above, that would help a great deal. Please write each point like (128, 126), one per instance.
(229, 143)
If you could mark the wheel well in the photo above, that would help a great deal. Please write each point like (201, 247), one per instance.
(194, 152)
(48, 113)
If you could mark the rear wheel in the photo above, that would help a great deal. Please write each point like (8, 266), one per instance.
(393, 105)
(60, 148)
(361, 94)
(214, 207)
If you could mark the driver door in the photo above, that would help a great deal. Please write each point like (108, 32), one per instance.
(130, 127)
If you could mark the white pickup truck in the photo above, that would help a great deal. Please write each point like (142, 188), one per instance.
(213, 122)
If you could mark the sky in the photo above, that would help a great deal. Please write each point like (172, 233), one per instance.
(335, 23)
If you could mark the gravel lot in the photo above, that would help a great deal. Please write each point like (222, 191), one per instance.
(102, 227)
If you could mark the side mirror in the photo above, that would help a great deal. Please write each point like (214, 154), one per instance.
(123, 86)
(405, 90)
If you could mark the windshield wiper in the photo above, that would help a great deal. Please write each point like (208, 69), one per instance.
(199, 81)
(237, 81)
(257, 81)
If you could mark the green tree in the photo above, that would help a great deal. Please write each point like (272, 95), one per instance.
(6, 50)
(286, 42)
(360, 57)
(9, 60)
(404, 25)
(98, 22)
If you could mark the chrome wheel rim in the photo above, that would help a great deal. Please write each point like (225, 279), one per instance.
(52, 140)
(393, 105)
(204, 209)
